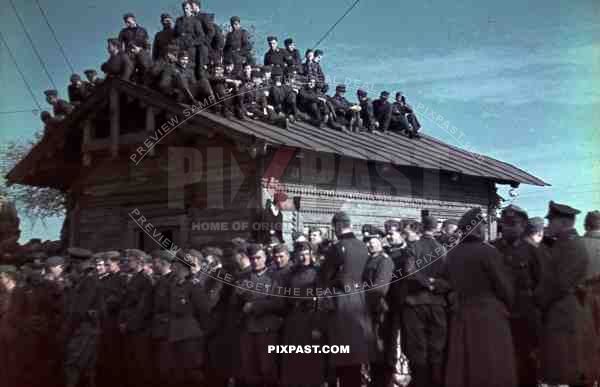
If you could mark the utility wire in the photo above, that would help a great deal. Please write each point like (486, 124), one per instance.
(20, 111)
(62, 50)
(336, 23)
(32, 44)
(10, 53)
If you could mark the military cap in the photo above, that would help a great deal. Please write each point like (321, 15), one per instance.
(182, 54)
(271, 38)
(429, 222)
(318, 52)
(90, 71)
(361, 93)
(8, 269)
(534, 225)
(87, 265)
(135, 253)
(128, 15)
(77, 252)
(114, 42)
(370, 232)
(297, 236)
(165, 255)
(165, 16)
(592, 219)
(399, 94)
(45, 115)
(561, 210)
(341, 218)
(385, 94)
(391, 225)
(341, 88)
(99, 256)
(288, 41)
(51, 93)
(112, 255)
(511, 211)
(471, 218)
(55, 261)
(75, 78)
(227, 62)
(234, 19)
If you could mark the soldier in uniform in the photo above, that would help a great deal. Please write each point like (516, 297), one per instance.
(591, 240)
(206, 19)
(346, 113)
(133, 33)
(312, 102)
(382, 111)
(348, 323)
(424, 311)
(275, 57)
(303, 324)
(377, 277)
(160, 317)
(259, 320)
(110, 346)
(163, 38)
(403, 117)
(142, 63)
(135, 320)
(291, 53)
(91, 82)
(448, 237)
(283, 266)
(320, 74)
(534, 232)
(186, 311)
(224, 87)
(163, 67)
(76, 89)
(309, 68)
(282, 99)
(180, 82)
(61, 107)
(567, 323)
(190, 36)
(480, 347)
(82, 327)
(238, 47)
(366, 112)
(523, 263)
(119, 64)
(49, 121)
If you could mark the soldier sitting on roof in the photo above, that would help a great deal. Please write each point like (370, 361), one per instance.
(92, 81)
(403, 117)
(225, 89)
(312, 102)
(142, 63)
(118, 64)
(366, 112)
(76, 89)
(49, 121)
(382, 110)
(345, 114)
(282, 99)
(61, 107)
(180, 82)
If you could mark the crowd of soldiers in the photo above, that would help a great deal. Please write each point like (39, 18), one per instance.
(194, 62)
(521, 310)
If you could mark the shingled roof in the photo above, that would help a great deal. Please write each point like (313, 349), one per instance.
(426, 152)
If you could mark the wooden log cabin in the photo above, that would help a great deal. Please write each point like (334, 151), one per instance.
(129, 152)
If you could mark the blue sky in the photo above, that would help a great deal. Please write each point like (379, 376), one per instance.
(520, 80)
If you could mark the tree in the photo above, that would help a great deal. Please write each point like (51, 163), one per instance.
(35, 203)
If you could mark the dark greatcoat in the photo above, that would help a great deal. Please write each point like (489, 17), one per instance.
(592, 244)
(567, 323)
(348, 322)
(480, 350)
(304, 314)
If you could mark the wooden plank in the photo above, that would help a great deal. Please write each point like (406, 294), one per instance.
(115, 118)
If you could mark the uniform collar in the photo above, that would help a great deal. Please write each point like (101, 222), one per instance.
(347, 235)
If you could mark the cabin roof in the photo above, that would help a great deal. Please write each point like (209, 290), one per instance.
(426, 152)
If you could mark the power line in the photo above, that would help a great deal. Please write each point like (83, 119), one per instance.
(20, 111)
(336, 23)
(62, 50)
(10, 53)
(32, 45)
